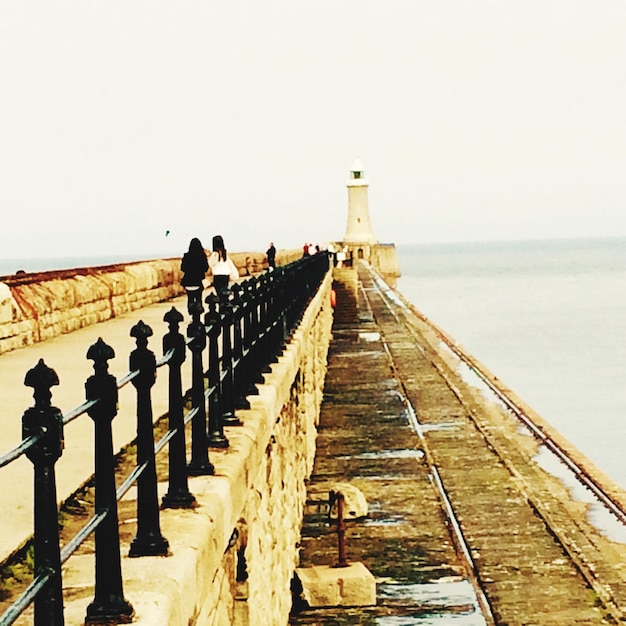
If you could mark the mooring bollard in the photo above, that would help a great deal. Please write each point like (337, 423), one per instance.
(109, 604)
(46, 422)
(148, 541)
(178, 495)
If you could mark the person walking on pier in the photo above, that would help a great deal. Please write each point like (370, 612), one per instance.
(222, 268)
(194, 267)
(271, 257)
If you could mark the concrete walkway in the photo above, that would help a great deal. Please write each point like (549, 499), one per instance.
(67, 356)
(396, 420)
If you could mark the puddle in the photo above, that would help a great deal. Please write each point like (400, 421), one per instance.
(598, 515)
(456, 619)
(443, 426)
(358, 355)
(451, 601)
(383, 518)
(387, 454)
(369, 336)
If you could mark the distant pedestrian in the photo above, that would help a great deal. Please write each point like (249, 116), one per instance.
(305, 250)
(222, 268)
(271, 257)
(194, 267)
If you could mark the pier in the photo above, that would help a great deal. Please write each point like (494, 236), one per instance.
(463, 521)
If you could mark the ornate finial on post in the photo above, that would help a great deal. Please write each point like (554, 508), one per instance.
(173, 318)
(148, 541)
(141, 332)
(45, 422)
(178, 494)
(41, 378)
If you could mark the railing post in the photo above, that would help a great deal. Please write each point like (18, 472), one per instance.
(282, 304)
(239, 363)
(109, 604)
(290, 284)
(264, 323)
(255, 344)
(47, 422)
(199, 464)
(212, 321)
(148, 541)
(227, 376)
(247, 298)
(178, 495)
(275, 339)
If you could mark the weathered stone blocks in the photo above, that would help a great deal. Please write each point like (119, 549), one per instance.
(52, 303)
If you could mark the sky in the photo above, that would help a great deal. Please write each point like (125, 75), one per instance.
(130, 127)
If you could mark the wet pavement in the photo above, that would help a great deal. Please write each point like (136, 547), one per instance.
(418, 444)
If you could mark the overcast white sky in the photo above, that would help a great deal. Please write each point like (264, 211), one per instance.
(474, 120)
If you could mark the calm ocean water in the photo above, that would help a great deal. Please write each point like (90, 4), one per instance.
(548, 318)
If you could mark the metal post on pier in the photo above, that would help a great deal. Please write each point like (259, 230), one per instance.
(148, 541)
(247, 299)
(339, 498)
(255, 343)
(46, 422)
(178, 495)
(109, 604)
(226, 376)
(199, 465)
(239, 362)
(213, 322)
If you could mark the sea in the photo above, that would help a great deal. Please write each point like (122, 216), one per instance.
(547, 317)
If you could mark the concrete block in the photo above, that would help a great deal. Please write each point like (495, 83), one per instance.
(323, 585)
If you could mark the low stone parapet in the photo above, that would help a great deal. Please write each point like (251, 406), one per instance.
(36, 307)
(39, 306)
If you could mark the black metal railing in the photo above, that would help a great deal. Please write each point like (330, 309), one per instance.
(243, 331)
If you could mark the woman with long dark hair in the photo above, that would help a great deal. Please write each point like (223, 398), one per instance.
(222, 268)
(194, 267)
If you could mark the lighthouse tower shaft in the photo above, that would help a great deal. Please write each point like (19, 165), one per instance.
(359, 228)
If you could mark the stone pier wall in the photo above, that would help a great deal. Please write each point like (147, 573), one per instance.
(233, 556)
(36, 307)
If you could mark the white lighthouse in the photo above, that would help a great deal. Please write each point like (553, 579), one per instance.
(359, 228)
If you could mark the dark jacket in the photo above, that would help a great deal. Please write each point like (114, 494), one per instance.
(194, 268)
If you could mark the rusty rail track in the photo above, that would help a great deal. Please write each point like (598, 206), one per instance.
(539, 430)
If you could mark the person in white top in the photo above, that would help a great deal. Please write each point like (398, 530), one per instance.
(221, 267)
